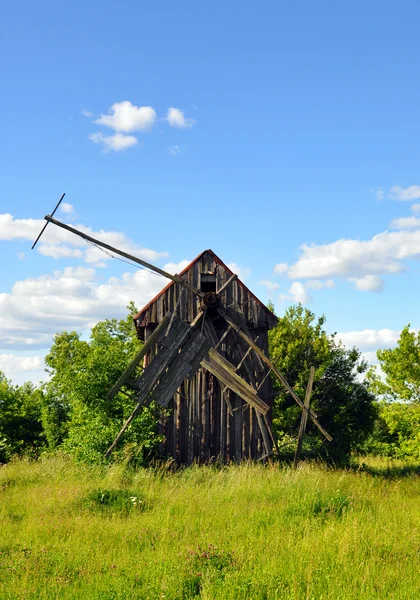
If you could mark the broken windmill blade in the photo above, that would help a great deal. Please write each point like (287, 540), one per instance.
(113, 249)
(46, 224)
(184, 340)
(304, 418)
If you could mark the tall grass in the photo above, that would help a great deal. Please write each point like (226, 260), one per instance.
(241, 532)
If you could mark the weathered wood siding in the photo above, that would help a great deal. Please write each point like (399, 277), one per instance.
(255, 313)
(205, 422)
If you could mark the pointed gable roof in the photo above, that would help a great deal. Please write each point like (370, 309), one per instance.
(257, 314)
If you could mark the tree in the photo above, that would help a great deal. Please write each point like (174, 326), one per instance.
(82, 372)
(401, 367)
(340, 396)
(20, 419)
(397, 431)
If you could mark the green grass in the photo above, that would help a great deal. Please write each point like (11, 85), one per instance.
(243, 532)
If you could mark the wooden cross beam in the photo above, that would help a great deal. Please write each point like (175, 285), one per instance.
(304, 419)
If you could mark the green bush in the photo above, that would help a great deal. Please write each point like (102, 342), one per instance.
(397, 431)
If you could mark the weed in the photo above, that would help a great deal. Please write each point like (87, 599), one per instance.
(120, 502)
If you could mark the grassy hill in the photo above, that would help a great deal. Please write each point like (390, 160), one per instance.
(241, 532)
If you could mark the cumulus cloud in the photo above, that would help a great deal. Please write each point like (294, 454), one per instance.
(175, 268)
(23, 368)
(317, 284)
(87, 113)
(176, 118)
(270, 285)
(406, 223)
(241, 272)
(368, 339)
(55, 251)
(59, 243)
(369, 283)
(10, 363)
(281, 268)
(113, 143)
(385, 253)
(71, 299)
(67, 208)
(126, 117)
(408, 194)
(299, 293)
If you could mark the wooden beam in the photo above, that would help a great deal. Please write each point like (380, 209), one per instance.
(304, 418)
(136, 360)
(227, 284)
(93, 240)
(279, 376)
(225, 372)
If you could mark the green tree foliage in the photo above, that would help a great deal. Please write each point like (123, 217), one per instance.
(401, 367)
(20, 419)
(340, 397)
(77, 414)
(397, 431)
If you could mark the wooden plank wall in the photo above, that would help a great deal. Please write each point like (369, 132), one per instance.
(200, 426)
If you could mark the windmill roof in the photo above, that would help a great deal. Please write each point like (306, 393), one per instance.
(188, 267)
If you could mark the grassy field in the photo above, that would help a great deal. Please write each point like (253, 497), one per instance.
(243, 532)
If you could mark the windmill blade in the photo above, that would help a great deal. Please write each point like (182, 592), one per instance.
(227, 284)
(221, 368)
(136, 360)
(89, 238)
(273, 368)
(182, 350)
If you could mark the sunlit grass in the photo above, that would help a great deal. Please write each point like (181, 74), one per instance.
(249, 531)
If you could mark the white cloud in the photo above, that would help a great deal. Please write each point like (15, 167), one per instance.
(369, 283)
(384, 253)
(299, 292)
(176, 268)
(58, 243)
(241, 272)
(67, 208)
(174, 150)
(10, 363)
(72, 299)
(415, 208)
(405, 194)
(115, 143)
(21, 255)
(371, 357)
(270, 285)
(405, 223)
(176, 118)
(20, 368)
(56, 251)
(369, 338)
(317, 284)
(86, 113)
(281, 268)
(127, 117)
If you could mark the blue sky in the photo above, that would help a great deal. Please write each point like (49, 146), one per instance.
(275, 133)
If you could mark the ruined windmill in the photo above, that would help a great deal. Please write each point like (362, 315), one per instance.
(204, 357)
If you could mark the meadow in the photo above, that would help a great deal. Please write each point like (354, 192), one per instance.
(240, 532)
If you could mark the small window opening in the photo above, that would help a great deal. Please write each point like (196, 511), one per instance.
(207, 282)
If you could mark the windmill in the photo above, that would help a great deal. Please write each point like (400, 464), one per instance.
(205, 356)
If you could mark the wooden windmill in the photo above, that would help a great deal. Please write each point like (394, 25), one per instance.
(204, 357)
